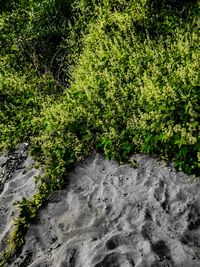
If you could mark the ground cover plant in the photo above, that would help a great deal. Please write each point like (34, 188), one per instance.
(113, 76)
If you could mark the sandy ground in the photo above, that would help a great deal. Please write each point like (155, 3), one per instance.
(16, 181)
(115, 215)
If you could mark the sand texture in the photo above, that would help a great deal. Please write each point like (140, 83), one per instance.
(16, 181)
(115, 215)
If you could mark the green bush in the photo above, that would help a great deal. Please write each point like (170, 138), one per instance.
(30, 70)
(132, 94)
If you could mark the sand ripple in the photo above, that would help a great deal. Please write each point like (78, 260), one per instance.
(115, 215)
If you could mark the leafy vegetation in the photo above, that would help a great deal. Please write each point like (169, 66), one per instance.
(113, 76)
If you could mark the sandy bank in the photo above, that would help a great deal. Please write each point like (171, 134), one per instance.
(17, 180)
(115, 215)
